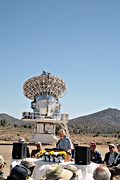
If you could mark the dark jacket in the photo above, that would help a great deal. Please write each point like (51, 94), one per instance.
(107, 155)
(96, 157)
(118, 161)
(34, 152)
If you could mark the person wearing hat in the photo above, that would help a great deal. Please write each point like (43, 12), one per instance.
(111, 155)
(28, 163)
(115, 170)
(57, 172)
(22, 140)
(37, 150)
(19, 172)
(2, 164)
(95, 155)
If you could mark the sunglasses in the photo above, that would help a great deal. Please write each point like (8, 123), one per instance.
(93, 145)
(110, 147)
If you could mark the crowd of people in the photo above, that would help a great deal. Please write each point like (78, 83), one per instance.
(107, 168)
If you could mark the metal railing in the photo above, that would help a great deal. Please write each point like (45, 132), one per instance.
(35, 115)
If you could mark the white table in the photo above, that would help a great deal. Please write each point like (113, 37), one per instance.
(41, 167)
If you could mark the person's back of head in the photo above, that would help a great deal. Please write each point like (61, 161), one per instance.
(56, 172)
(28, 163)
(19, 172)
(101, 173)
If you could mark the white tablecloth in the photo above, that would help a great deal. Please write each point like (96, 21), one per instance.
(86, 171)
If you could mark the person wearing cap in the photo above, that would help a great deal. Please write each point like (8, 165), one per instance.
(37, 150)
(64, 143)
(115, 169)
(2, 164)
(28, 163)
(22, 140)
(111, 155)
(57, 172)
(95, 155)
(19, 172)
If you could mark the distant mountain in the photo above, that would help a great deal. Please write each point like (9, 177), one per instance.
(103, 122)
(10, 120)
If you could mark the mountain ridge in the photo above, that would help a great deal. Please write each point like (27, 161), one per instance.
(104, 122)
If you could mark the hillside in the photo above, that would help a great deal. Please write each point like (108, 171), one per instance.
(103, 122)
(6, 119)
(9, 119)
(99, 123)
(11, 128)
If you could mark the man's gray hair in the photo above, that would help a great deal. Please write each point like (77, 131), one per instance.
(101, 173)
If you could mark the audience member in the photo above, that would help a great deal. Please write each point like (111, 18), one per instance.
(73, 150)
(38, 149)
(19, 172)
(2, 164)
(111, 155)
(101, 173)
(22, 140)
(95, 155)
(28, 163)
(57, 172)
(115, 170)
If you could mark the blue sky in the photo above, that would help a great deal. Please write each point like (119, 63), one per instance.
(76, 40)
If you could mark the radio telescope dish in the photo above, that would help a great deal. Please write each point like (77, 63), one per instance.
(43, 85)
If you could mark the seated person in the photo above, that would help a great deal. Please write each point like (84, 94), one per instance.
(111, 155)
(95, 155)
(28, 163)
(38, 149)
(58, 172)
(22, 140)
(19, 172)
(73, 150)
(115, 169)
(2, 164)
